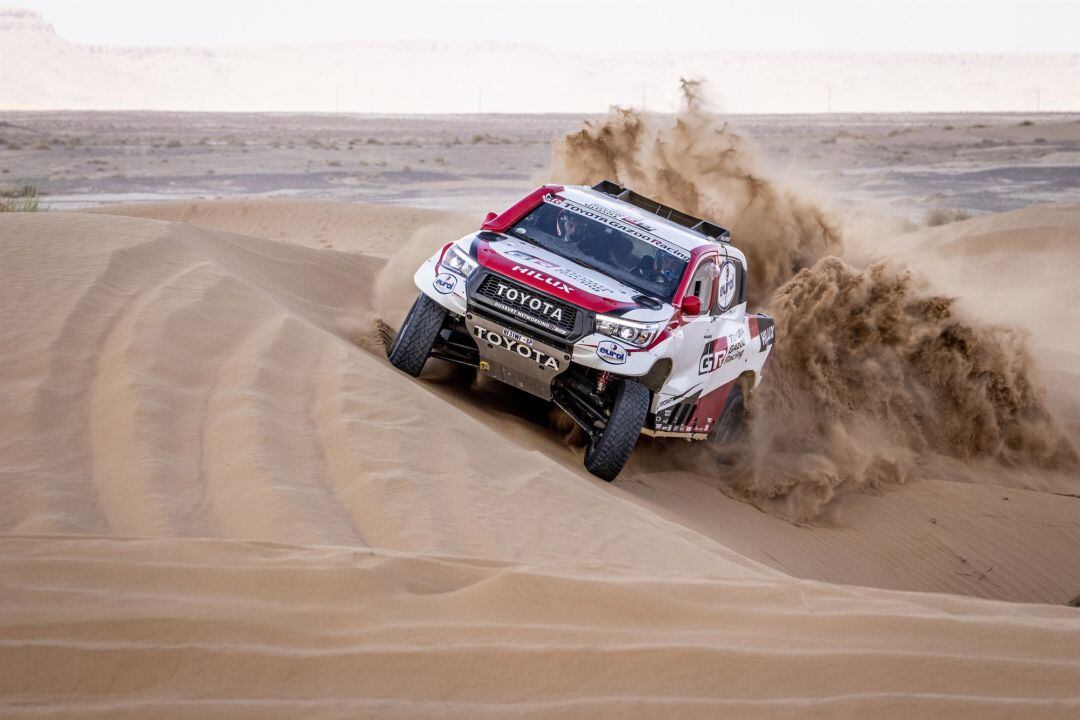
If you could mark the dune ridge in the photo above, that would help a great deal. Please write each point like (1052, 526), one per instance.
(333, 631)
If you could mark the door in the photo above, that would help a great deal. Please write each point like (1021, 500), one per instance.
(694, 353)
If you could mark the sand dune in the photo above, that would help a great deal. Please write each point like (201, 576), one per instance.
(221, 500)
(212, 628)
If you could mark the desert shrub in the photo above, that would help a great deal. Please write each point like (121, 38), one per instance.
(25, 199)
(173, 144)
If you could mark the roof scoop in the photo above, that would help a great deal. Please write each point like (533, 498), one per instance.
(702, 227)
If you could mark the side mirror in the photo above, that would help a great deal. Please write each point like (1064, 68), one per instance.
(489, 217)
(691, 305)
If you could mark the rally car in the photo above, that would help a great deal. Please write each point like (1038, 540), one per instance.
(626, 313)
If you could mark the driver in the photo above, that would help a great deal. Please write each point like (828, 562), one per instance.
(646, 268)
(573, 228)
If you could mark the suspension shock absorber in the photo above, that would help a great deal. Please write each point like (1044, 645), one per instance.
(602, 380)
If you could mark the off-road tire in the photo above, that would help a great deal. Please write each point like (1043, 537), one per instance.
(607, 453)
(416, 336)
(732, 423)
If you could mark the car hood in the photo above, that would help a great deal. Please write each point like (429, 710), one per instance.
(561, 277)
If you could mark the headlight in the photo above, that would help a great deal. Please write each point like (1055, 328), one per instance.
(629, 331)
(456, 261)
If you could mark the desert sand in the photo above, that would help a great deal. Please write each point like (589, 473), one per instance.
(221, 500)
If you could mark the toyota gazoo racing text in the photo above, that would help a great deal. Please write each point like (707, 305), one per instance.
(627, 314)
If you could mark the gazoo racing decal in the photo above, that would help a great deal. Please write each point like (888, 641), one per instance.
(529, 301)
(712, 356)
(612, 352)
(509, 344)
(722, 351)
(445, 282)
(603, 215)
(546, 279)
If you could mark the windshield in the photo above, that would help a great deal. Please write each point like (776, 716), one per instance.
(598, 245)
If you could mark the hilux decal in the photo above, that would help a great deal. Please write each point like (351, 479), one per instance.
(546, 279)
(559, 270)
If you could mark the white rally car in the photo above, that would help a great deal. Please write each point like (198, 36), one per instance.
(627, 314)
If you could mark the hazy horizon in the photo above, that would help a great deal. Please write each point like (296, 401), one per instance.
(890, 26)
(524, 58)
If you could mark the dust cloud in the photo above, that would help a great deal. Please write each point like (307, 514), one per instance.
(872, 375)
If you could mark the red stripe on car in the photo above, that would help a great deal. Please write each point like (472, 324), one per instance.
(524, 206)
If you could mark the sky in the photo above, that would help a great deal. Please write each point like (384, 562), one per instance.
(918, 26)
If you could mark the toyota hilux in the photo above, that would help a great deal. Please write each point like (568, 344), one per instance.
(628, 314)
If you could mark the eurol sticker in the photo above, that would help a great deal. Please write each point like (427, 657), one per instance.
(611, 352)
(445, 283)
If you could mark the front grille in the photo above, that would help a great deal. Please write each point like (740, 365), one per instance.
(529, 306)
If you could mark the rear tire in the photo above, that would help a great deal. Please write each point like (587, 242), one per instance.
(608, 453)
(416, 337)
(732, 423)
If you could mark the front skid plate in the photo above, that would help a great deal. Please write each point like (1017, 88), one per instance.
(516, 359)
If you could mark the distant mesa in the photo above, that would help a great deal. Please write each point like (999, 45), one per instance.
(12, 19)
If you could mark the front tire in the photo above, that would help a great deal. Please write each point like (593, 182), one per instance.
(416, 337)
(607, 453)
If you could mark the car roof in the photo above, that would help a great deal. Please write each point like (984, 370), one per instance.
(671, 232)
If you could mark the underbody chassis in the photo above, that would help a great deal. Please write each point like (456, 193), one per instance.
(581, 392)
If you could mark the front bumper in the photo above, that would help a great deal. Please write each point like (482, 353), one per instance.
(581, 345)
